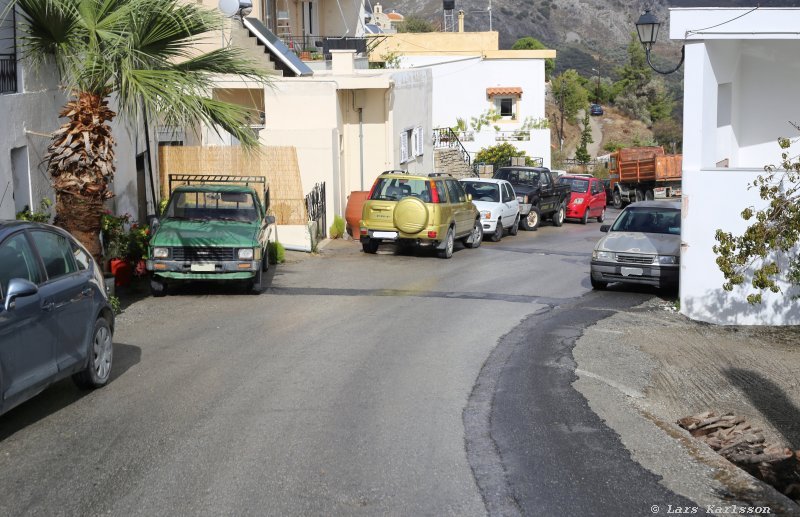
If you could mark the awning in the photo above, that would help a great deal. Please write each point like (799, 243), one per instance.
(504, 90)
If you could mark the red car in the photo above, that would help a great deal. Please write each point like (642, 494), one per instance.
(587, 200)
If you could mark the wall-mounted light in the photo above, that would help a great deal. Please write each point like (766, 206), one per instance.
(647, 28)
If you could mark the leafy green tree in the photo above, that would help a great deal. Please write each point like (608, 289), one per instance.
(529, 43)
(669, 133)
(637, 92)
(569, 97)
(415, 23)
(582, 153)
(767, 251)
(500, 155)
(636, 73)
(143, 53)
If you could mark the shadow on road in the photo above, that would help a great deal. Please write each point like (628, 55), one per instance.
(63, 393)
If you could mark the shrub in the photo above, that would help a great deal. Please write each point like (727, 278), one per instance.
(336, 231)
(40, 216)
(277, 253)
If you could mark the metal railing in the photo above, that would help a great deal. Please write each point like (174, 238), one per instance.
(519, 136)
(8, 73)
(315, 206)
(444, 137)
(315, 44)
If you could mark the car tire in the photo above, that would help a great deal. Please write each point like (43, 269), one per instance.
(370, 246)
(265, 260)
(157, 287)
(514, 227)
(639, 194)
(498, 231)
(447, 251)
(598, 284)
(473, 240)
(617, 199)
(649, 195)
(585, 218)
(101, 356)
(254, 284)
(602, 216)
(531, 221)
(560, 215)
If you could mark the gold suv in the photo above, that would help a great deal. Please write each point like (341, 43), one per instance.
(415, 209)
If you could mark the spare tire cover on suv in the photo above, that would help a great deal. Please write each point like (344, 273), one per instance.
(410, 215)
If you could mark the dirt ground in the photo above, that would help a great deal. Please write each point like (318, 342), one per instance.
(665, 367)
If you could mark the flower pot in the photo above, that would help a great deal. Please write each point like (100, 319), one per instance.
(352, 214)
(122, 271)
(109, 280)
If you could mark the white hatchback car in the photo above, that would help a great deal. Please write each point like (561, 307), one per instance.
(497, 203)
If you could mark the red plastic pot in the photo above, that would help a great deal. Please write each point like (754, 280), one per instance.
(352, 214)
(122, 271)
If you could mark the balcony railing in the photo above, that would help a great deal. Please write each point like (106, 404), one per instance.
(308, 45)
(446, 137)
(519, 136)
(8, 73)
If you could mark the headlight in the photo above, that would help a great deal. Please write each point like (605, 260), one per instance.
(521, 199)
(578, 201)
(603, 255)
(667, 260)
(486, 214)
(246, 254)
(161, 253)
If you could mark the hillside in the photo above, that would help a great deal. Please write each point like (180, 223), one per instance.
(586, 33)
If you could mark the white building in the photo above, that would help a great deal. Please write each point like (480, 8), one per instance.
(472, 79)
(741, 74)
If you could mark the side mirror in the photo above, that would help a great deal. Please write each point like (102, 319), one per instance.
(153, 222)
(604, 228)
(270, 220)
(19, 288)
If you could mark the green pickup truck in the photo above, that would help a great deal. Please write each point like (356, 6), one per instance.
(214, 227)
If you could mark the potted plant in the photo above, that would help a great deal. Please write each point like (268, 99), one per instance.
(116, 241)
(138, 242)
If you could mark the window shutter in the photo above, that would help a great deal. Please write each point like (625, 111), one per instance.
(415, 142)
(420, 141)
(404, 147)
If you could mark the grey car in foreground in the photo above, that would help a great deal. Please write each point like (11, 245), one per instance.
(55, 317)
(641, 247)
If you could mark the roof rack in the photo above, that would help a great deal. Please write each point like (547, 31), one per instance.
(395, 171)
(437, 174)
(189, 179)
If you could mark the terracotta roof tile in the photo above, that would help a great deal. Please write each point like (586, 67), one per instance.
(504, 90)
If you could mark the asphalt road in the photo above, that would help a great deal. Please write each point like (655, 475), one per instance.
(355, 385)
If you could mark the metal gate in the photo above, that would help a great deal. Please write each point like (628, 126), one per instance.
(315, 205)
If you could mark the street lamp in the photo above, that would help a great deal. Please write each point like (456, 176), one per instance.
(647, 27)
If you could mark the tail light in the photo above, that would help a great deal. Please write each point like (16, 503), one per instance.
(434, 193)
(431, 235)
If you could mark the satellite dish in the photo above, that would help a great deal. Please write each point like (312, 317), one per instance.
(229, 7)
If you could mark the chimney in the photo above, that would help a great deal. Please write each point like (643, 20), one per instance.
(460, 20)
(378, 9)
(343, 61)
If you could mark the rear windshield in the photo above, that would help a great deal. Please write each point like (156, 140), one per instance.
(519, 176)
(649, 220)
(575, 184)
(223, 206)
(394, 189)
(482, 191)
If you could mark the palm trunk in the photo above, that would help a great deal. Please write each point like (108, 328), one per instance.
(80, 159)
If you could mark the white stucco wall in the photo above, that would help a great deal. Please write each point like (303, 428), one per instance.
(459, 91)
(411, 105)
(739, 97)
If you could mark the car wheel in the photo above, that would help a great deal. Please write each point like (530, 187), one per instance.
(558, 217)
(370, 245)
(617, 199)
(101, 355)
(158, 287)
(498, 231)
(474, 239)
(514, 227)
(585, 218)
(254, 284)
(531, 221)
(449, 243)
(597, 284)
(639, 194)
(265, 259)
(602, 216)
(649, 195)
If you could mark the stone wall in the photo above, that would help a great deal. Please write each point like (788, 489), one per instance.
(449, 161)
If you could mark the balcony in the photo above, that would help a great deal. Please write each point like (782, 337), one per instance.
(311, 47)
(8, 73)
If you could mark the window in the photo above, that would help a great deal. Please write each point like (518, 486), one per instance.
(56, 253)
(507, 194)
(18, 261)
(456, 193)
(8, 50)
(412, 143)
(505, 107)
(81, 257)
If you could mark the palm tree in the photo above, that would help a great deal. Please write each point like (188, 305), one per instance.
(144, 55)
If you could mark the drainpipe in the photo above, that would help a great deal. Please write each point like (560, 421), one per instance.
(361, 143)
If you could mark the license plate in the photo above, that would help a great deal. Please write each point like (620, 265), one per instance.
(384, 235)
(631, 271)
(203, 268)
